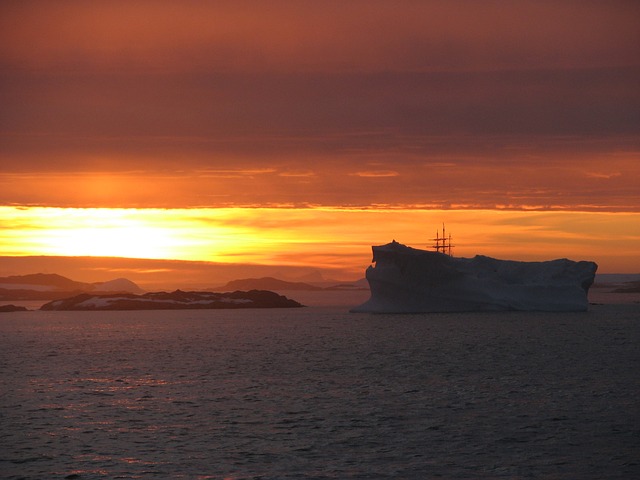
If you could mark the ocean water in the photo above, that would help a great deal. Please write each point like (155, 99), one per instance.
(319, 393)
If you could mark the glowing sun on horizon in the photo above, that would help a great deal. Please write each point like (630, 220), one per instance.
(114, 233)
(126, 241)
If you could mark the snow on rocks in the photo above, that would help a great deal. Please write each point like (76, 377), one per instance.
(176, 300)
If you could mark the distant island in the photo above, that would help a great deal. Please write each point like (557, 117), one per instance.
(12, 308)
(51, 286)
(177, 300)
(120, 294)
(265, 283)
(123, 294)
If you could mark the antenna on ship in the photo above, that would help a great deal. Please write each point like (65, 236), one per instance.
(443, 244)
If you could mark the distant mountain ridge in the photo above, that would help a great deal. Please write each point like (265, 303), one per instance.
(117, 285)
(51, 286)
(43, 279)
(271, 283)
(265, 283)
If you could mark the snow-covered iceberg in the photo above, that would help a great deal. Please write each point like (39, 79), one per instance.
(409, 280)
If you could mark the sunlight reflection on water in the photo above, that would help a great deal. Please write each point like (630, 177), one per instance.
(319, 393)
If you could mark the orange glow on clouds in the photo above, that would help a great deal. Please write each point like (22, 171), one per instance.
(528, 180)
(332, 239)
(301, 133)
(338, 35)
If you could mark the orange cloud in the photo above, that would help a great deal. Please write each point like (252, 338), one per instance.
(558, 181)
(299, 173)
(308, 36)
(449, 105)
(376, 173)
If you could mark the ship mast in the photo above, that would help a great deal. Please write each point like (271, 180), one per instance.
(443, 243)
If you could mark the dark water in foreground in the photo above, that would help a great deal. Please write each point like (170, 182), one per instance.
(320, 393)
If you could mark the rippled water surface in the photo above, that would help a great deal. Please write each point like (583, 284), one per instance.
(320, 393)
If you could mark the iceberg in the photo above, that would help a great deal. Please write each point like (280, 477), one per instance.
(409, 280)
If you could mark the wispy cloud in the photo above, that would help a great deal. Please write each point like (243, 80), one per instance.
(298, 173)
(375, 173)
(603, 175)
(232, 173)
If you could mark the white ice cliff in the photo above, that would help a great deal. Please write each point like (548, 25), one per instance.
(409, 280)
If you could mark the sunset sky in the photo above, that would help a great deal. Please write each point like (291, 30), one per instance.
(298, 133)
